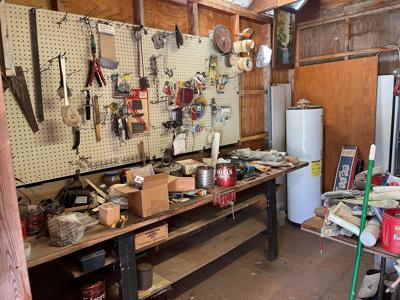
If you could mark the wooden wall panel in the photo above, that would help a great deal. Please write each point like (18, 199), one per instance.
(347, 91)
(377, 30)
(45, 4)
(157, 13)
(322, 39)
(252, 105)
(110, 10)
(329, 9)
(208, 18)
(255, 79)
(163, 14)
(252, 115)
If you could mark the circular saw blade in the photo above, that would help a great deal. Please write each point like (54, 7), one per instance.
(222, 39)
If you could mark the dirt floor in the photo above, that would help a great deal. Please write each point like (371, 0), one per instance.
(301, 272)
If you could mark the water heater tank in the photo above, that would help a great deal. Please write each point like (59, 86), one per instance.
(304, 139)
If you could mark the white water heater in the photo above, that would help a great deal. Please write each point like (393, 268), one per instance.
(304, 139)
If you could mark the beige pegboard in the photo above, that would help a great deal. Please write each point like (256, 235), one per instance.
(46, 154)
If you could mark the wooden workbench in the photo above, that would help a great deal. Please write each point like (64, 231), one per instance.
(195, 215)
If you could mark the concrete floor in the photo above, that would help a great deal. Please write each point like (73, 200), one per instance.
(301, 272)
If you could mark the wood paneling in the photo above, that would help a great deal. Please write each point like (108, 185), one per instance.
(376, 30)
(110, 10)
(164, 15)
(347, 92)
(252, 103)
(45, 4)
(256, 78)
(14, 282)
(323, 39)
(251, 115)
(324, 10)
(209, 17)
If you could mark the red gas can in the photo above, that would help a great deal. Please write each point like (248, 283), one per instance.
(391, 230)
(225, 175)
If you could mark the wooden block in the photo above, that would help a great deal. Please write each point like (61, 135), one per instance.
(109, 213)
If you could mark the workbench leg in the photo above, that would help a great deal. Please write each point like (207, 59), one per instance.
(272, 230)
(381, 289)
(128, 289)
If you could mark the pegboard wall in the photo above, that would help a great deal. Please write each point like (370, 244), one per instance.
(48, 154)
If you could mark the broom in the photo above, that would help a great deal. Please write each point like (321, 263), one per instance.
(362, 223)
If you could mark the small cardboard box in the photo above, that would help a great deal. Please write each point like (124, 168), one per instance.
(152, 199)
(181, 184)
(189, 166)
(151, 237)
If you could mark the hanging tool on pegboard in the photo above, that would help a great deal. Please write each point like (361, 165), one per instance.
(7, 69)
(94, 65)
(137, 34)
(36, 65)
(21, 93)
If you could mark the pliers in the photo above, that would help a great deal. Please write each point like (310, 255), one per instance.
(94, 66)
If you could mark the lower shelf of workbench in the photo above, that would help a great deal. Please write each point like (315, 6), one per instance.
(181, 259)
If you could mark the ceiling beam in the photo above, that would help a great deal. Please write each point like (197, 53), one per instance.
(235, 10)
(260, 6)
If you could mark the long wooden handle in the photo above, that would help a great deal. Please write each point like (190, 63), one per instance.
(141, 149)
(96, 118)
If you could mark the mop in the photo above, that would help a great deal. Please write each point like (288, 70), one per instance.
(362, 224)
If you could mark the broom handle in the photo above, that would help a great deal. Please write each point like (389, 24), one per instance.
(362, 223)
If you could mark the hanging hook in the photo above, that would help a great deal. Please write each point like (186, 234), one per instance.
(64, 19)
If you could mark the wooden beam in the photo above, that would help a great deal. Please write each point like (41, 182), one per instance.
(347, 53)
(235, 10)
(57, 5)
(235, 26)
(251, 92)
(346, 15)
(14, 280)
(266, 5)
(253, 137)
(193, 17)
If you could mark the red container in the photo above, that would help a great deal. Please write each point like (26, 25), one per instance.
(225, 175)
(391, 230)
(23, 228)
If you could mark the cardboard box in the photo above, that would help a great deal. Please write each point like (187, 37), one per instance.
(189, 166)
(152, 199)
(181, 184)
(151, 237)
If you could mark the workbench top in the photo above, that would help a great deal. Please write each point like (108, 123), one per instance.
(43, 251)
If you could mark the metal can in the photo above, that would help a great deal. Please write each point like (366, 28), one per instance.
(225, 175)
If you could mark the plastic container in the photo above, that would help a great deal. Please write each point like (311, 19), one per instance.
(145, 276)
(391, 230)
(90, 261)
(111, 178)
